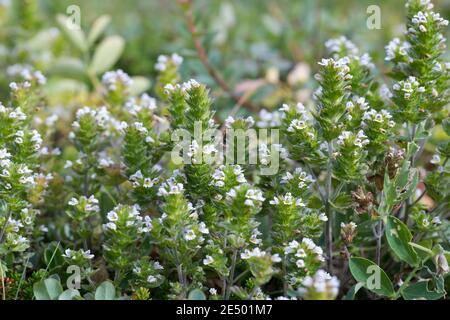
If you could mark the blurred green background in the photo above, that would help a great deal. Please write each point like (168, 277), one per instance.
(245, 40)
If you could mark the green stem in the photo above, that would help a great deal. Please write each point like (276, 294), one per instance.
(328, 211)
(231, 277)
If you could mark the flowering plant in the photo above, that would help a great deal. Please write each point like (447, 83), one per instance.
(135, 200)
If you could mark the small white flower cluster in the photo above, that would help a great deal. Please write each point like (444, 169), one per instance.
(219, 176)
(105, 161)
(162, 61)
(15, 114)
(258, 253)
(307, 249)
(199, 153)
(435, 221)
(304, 179)
(184, 87)
(408, 87)
(288, 200)
(341, 66)
(170, 187)
(381, 116)
(253, 197)
(139, 126)
(131, 216)
(139, 180)
(421, 19)
(359, 102)
(364, 60)
(35, 138)
(87, 204)
(190, 234)
(397, 49)
(269, 119)
(341, 44)
(360, 140)
(321, 283)
(27, 74)
(112, 79)
(145, 102)
(74, 254)
(101, 116)
(385, 93)
(249, 122)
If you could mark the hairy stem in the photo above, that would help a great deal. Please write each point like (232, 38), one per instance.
(231, 277)
(328, 211)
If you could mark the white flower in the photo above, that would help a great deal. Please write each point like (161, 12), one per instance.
(436, 159)
(152, 279)
(4, 154)
(170, 187)
(111, 226)
(213, 291)
(112, 78)
(276, 258)
(300, 263)
(112, 216)
(208, 260)
(202, 228)
(73, 202)
(189, 235)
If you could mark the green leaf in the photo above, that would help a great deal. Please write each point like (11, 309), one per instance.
(71, 68)
(139, 85)
(398, 237)
(425, 252)
(372, 276)
(342, 201)
(196, 294)
(70, 294)
(353, 291)
(74, 35)
(107, 54)
(446, 126)
(98, 27)
(419, 291)
(48, 289)
(105, 291)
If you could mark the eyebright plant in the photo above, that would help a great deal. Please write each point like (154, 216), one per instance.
(96, 193)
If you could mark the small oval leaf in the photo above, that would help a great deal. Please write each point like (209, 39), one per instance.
(48, 289)
(107, 54)
(98, 27)
(196, 294)
(398, 237)
(105, 291)
(372, 276)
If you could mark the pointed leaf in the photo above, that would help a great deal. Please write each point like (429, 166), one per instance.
(74, 35)
(372, 276)
(98, 27)
(107, 54)
(69, 294)
(105, 291)
(48, 289)
(398, 237)
(419, 291)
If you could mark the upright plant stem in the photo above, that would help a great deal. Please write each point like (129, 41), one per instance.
(328, 211)
(231, 278)
(378, 232)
